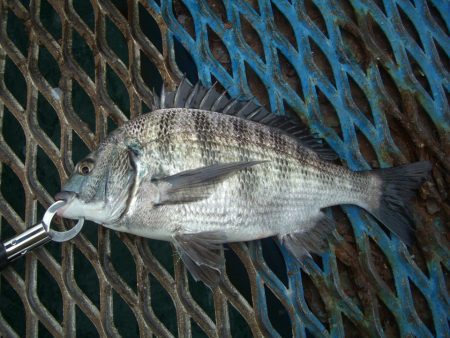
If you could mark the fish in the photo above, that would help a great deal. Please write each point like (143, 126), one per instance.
(203, 169)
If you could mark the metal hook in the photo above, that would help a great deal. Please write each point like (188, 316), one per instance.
(60, 236)
(36, 236)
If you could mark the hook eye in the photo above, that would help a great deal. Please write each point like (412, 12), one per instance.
(60, 236)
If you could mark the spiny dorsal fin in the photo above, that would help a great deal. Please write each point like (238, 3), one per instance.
(199, 97)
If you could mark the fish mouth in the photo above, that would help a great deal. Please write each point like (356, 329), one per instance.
(67, 197)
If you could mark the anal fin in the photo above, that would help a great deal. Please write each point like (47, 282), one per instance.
(313, 238)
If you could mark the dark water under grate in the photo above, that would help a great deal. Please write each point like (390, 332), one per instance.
(372, 77)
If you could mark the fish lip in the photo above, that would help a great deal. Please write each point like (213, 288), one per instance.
(66, 196)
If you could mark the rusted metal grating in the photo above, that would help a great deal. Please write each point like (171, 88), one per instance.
(371, 76)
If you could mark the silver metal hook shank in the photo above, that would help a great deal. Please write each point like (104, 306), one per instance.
(60, 236)
(36, 236)
(24, 242)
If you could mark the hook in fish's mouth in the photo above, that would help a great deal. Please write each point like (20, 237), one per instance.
(67, 197)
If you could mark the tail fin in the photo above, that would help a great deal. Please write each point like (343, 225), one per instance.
(398, 186)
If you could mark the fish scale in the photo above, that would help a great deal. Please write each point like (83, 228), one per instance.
(196, 134)
(200, 178)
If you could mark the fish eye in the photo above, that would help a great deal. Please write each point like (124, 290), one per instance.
(85, 167)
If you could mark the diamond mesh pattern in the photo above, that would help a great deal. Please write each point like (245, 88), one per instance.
(372, 77)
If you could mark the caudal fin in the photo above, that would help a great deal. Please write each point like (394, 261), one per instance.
(398, 186)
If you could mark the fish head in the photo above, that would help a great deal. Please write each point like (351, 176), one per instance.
(99, 186)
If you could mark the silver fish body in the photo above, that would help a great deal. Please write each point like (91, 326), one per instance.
(277, 196)
(201, 170)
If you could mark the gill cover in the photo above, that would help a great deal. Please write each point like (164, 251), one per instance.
(134, 152)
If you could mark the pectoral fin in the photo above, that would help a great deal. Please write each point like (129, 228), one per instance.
(202, 255)
(196, 184)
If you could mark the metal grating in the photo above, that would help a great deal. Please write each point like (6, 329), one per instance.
(371, 76)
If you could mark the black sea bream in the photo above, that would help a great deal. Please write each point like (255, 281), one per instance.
(202, 169)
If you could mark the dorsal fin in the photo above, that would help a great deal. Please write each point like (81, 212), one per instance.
(199, 97)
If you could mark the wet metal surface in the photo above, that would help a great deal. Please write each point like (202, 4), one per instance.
(372, 77)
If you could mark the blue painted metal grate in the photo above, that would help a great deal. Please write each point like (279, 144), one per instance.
(372, 77)
(347, 69)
